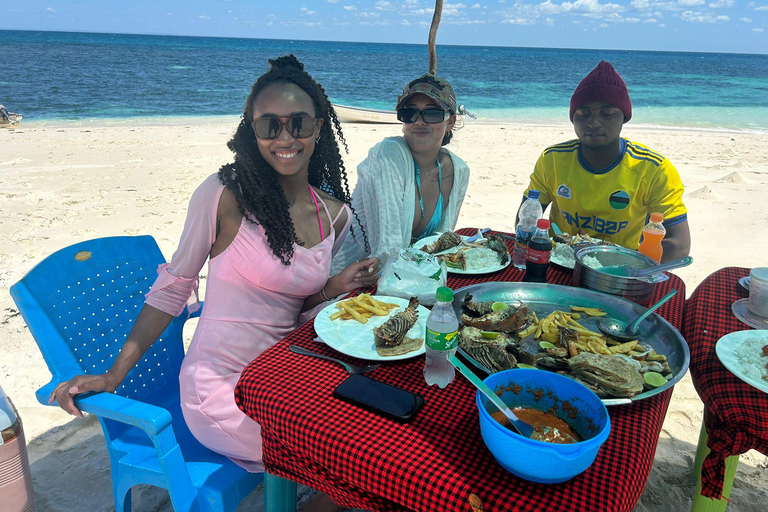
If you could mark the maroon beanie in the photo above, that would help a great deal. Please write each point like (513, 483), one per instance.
(602, 84)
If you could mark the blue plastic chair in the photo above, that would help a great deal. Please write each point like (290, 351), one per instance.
(80, 304)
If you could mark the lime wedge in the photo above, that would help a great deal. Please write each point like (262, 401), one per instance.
(545, 345)
(526, 366)
(654, 379)
(499, 306)
(491, 335)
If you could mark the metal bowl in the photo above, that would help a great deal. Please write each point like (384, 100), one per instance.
(636, 290)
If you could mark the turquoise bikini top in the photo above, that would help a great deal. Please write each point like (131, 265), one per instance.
(437, 216)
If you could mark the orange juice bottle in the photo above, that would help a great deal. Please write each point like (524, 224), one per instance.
(653, 233)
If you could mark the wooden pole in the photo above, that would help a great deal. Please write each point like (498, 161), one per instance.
(433, 36)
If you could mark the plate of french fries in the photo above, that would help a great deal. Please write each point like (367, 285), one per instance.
(347, 325)
(553, 307)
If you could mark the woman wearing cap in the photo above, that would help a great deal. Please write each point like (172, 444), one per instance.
(409, 187)
(604, 184)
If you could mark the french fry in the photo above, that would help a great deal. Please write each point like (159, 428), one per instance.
(589, 311)
(531, 329)
(357, 316)
(358, 301)
(551, 337)
(624, 348)
(337, 314)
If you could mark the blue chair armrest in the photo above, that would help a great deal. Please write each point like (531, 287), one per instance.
(150, 418)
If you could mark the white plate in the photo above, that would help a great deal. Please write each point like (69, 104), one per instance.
(555, 258)
(742, 312)
(484, 270)
(744, 281)
(725, 352)
(354, 339)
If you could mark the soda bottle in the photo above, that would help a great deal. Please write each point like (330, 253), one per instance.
(539, 247)
(653, 233)
(441, 340)
(529, 213)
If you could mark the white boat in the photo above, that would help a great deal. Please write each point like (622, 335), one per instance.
(8, 118)
(348, 114)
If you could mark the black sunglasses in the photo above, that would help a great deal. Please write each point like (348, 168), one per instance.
(298, 126)
(429, 115)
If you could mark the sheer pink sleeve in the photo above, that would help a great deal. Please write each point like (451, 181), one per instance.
(178, 279)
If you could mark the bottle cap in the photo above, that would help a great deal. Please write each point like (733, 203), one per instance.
(444, 294)
(534, 194)
(657, 217)
(542, 224)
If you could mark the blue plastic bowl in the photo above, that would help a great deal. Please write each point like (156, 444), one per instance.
(538, 461)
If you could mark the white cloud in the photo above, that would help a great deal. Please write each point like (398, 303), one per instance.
(519, 21)
(405, 23)
(746, 20)
(761, 8)
(366, 14)
(50, 10)
(382, 5)
(476, 6)
(721, 4)
(423, 11)
(699, 17)
(333, 1)
(757, 30)
(650, 20)
(690, 3)
(204, 17)
(350, 8)
(308, 11)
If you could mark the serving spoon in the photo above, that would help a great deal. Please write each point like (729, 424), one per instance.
(625, 271)
(621, 331)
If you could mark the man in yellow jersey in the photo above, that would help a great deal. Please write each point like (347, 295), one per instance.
(604, 184)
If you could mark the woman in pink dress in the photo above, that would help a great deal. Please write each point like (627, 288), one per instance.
(269, 224)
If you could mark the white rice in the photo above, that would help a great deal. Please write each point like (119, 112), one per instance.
(591, 262)
(481, 258)
(749, 355)
(562, 254)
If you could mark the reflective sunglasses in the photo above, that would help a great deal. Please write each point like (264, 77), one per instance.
(269, 128)
(429, 115)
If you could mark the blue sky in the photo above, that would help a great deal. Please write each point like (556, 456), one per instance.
(682, 25)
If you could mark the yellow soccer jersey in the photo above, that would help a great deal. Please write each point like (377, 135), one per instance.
(613, 203)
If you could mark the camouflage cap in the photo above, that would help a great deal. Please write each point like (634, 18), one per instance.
(433, 86)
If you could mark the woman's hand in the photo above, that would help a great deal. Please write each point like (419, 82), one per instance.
(361, 273)
(66, 391)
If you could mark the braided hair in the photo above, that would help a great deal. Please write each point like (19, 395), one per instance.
(254, 182)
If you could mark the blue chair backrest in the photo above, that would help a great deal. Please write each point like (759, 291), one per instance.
(80, 304)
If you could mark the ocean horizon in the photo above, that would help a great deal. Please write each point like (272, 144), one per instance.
(81, 77)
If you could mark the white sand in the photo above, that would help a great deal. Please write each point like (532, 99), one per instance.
(64, 183)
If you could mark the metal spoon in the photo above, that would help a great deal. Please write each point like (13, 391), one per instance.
(620, 331)
(351, 368)
(625, 271)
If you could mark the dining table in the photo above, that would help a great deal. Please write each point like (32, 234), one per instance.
(735, 413)
(437, 460)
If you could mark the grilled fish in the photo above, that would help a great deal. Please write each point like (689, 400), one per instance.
(446, 241)
(390, 337)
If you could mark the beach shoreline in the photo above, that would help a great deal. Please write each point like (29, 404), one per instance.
(62, 183)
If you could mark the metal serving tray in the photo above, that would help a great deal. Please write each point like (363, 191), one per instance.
(655, 332)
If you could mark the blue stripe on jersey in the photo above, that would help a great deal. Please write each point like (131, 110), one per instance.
(675, 220)
(639, 157)
(565, 147)
(646, 153)
(646, 150)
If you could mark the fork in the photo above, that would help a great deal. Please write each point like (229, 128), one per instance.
(351, 368)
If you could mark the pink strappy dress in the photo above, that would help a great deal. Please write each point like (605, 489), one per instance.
(252, 302)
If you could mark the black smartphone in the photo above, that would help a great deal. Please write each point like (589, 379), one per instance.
(379, 397)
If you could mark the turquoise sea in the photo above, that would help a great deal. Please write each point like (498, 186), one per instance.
(63, 76)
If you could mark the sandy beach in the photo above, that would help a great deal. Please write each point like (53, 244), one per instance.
(65, 183)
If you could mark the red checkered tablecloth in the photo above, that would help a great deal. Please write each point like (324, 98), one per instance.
(735, 413)
(434, 462)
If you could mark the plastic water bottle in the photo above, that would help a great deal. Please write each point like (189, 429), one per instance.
(653, 233)
(441, 340)
(539, 249)
(529, 213)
